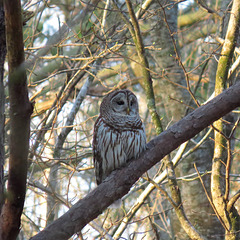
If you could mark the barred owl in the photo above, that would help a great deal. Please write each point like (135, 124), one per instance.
(119, 133)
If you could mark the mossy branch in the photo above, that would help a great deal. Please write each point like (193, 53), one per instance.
(219, 158)
(134, 29)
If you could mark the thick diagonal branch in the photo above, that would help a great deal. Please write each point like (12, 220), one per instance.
(120, 181)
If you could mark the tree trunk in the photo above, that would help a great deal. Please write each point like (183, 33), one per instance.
(20, 112)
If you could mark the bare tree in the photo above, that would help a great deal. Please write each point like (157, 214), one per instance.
(167, 52)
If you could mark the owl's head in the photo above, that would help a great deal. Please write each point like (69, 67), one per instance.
(120, 103)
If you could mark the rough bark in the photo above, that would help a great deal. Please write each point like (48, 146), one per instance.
(168, 84)
(20, 111)
(120, 181)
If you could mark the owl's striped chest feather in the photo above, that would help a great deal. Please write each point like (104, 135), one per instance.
(114, 147)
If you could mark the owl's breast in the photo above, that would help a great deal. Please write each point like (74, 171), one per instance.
(134, 142)
(117, 147)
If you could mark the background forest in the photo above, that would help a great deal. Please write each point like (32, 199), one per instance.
(175, 56)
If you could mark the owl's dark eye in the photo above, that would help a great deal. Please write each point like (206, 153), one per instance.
(120, 102)
(131, 103)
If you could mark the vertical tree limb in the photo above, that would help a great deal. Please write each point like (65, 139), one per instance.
(20, 112)
(229, 217)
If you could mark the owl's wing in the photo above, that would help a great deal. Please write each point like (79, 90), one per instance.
(97, 159)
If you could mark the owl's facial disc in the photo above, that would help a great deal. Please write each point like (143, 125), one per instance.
(124, 106)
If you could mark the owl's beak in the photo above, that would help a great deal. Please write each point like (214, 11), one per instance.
(128, 110)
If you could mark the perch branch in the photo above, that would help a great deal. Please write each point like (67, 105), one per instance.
(120, 181)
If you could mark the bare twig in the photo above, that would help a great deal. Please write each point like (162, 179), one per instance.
(208, 9)
(232, 201)
(227, 170)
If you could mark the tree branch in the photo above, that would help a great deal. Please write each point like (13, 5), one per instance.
(120, 181)
(219, 157)
(147, 80)
(53, 180)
